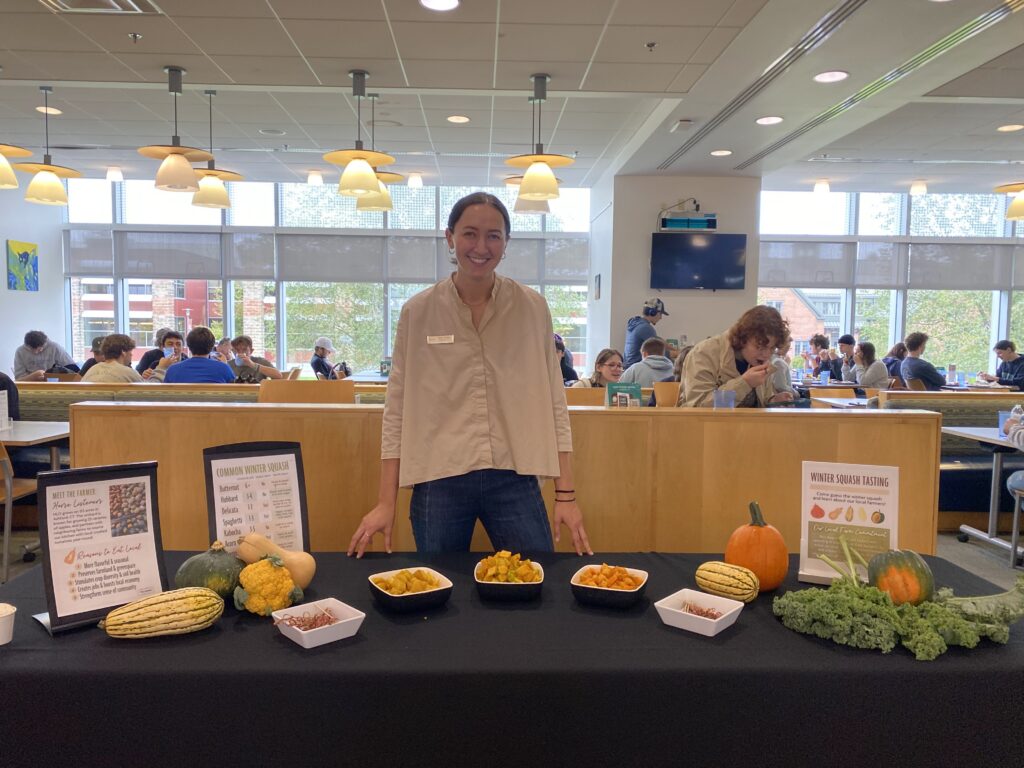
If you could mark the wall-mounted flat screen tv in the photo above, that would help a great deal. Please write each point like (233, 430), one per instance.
(698, 260)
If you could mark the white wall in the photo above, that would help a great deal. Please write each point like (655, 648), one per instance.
(22, 311)
(695, 314)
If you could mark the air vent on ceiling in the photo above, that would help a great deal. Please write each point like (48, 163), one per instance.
(113, 7)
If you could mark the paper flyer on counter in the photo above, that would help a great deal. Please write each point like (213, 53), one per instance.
(100, 534)
(5, 419)
(859, 502)
(257, 488)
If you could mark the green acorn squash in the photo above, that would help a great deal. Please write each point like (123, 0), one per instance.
(903, 575)
(215, 569)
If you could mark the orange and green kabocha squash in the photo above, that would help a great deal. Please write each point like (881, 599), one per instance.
(215, 569)
(761, 548)
(903, 575)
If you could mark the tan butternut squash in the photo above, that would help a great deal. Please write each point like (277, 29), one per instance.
(254, 546)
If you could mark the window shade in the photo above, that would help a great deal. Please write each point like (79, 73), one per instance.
(88, 252)
(249, 255)
(168, 254)
(797, 265)
(412, 258)
(327, 258)
(881, 265)
(566, 258)
(960, 267)
(522, 260)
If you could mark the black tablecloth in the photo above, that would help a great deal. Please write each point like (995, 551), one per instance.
(484, 684)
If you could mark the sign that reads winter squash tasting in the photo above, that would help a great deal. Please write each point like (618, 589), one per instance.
(858, 502)
(257, 488)
(100, 535)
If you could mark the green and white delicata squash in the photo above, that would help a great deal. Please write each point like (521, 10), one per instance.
(176, 612)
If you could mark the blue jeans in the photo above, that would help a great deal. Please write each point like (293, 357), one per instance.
(443, 512)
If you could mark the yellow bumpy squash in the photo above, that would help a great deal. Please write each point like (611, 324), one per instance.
(170, 613)
(726, 580)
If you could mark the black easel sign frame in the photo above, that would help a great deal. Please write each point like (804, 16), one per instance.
(257, 487)
(99, 528)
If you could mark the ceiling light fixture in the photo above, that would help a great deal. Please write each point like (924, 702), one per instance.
(315, 179)
(769, 120)
(377, 201)
(7, 178)
(457, 119)
(832, 76)
(49, 110)
(821, 187)
(919, 187)
(721, 152)
(1016, 210)
(358, 178)
(46, 187)
(212, 193)
(539, 182)
(1010, 128)
(440, 5)
(114, 174)
(176, 173)
(538, 207)
(387, 177)
(415, 180)
(273, 132)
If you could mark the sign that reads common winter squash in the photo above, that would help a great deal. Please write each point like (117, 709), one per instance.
(855, 502)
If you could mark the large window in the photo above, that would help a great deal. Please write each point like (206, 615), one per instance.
(316, 265)
(809, 311)
(958, 324)
(872, 318)
(958, 215)
(92, 313)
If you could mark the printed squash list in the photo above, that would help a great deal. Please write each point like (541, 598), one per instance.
(257, 495)
(101, 545)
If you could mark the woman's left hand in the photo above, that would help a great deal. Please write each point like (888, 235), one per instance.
(568, 513)
(781, 397)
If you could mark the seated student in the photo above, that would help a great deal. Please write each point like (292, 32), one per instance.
(913, 367)
(677, 374)
(845, 359)
(223, 351)
(1010, 371)
(153, 356)
(822, 358)
(97, 355)
(248, 368)
(866, 370)
(894, 359)
(38, 355)
(321, 364)
(199, 368)
(8, 386)
(738, 360)
(116, 367)
(607, 368)
(654, 365)
(782, 367)
(569, 374)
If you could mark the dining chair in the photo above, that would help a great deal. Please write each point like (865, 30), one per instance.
(13, 488)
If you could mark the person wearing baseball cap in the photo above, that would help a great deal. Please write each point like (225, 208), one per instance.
(846, 346)
(322, 350)
(641, 328)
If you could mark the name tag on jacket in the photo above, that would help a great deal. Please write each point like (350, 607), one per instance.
(450, 339)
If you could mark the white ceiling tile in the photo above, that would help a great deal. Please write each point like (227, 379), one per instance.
(687, 78)
(78, 66)
(675, 45)
(741, 12)
(40, 32)
(565, 75)
(384, 73)
(455, 74)
(533, 42)
(328, 9)
(567, 12)
(698, 13)
(221, 8)
(348, 39)
(199, 69)
(266, 70)
(631, 77)
(465, 42)
(714, 45)
(238, 37)
(159, 34)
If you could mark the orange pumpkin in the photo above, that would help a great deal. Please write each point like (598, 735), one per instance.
(761, 548)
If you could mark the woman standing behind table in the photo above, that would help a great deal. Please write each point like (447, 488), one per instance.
(474, 436)
(867, 372)
(607, 368)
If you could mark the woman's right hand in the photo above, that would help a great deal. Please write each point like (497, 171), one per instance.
(380, 519)
(755, 375)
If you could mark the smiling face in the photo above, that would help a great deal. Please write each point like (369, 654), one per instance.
(479, 241)
(611, 369)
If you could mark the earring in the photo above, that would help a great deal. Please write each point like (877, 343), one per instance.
(451, 251)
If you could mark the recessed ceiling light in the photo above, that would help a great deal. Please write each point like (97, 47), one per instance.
(55, 111)
(458, 119)
(1010, 128)
(770, 120)
(440, 5)
(721, 152)
(272, 132)
(832, 76)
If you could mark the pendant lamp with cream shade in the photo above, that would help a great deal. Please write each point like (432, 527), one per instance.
(1016, 210)
(8, 180)
(212, 192)
(46, 187)
(531, 206)
(358, 177)
(176, 173)
(539, 182)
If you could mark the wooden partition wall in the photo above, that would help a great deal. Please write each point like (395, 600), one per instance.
(671, 480)
(1002, 398)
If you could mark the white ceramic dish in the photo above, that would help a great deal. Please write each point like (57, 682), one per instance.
(670, 609)
(510, 590)
(349, 621)
(412, 601)
(604, 596)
